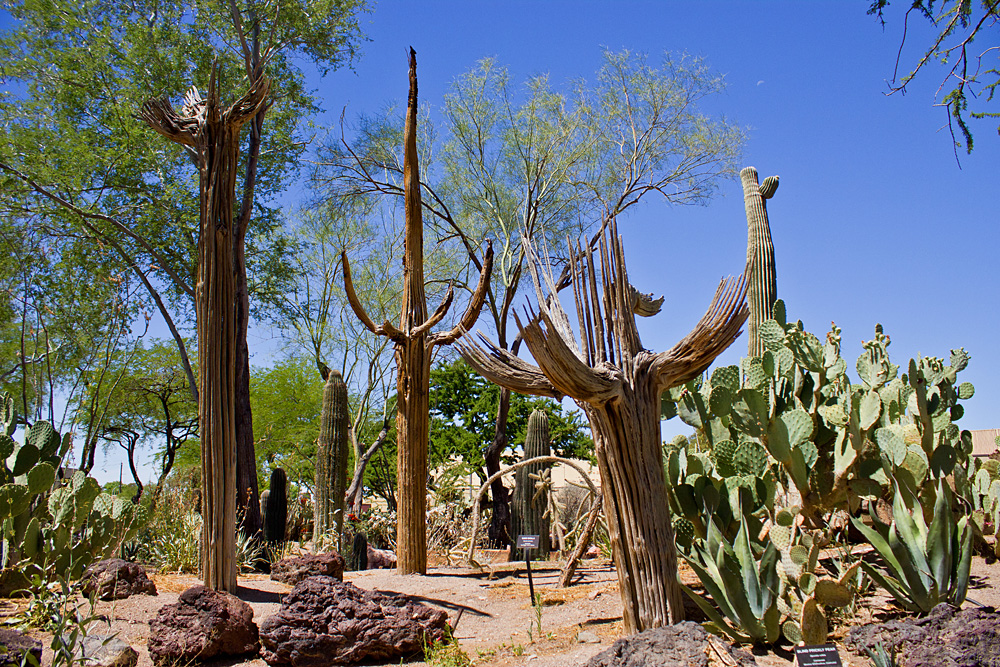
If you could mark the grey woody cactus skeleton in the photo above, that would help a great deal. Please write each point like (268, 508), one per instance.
(414, 343)
(618, 385)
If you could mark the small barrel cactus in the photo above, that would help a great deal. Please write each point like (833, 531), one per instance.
(275, 513)
(528, 515)
(331, 457)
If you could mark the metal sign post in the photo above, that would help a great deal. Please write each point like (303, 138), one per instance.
(528, 543)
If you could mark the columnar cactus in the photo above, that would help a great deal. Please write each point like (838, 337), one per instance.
(762, 289)
(275, 514)
(359, 553)
(331, 457)
(528, 517)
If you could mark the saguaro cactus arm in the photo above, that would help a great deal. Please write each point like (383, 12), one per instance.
(716, 331)
(763, 283)
(387, 329)
(475, 303)
(503, 368)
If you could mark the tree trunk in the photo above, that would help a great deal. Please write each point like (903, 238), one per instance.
(630, 460)
(248, 495)
(499, 528)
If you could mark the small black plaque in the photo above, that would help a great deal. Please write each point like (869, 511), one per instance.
(823, 655)
(527, 541)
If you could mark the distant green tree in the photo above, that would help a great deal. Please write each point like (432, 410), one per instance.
(970, 72)
(464, 407)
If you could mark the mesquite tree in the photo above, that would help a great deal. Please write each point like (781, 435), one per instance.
(762, 290)
(414, 344)
(618, 384)
(212, 134)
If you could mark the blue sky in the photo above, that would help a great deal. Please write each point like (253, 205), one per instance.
(874, 220)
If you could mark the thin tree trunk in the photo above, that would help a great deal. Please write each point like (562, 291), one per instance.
(499, 529)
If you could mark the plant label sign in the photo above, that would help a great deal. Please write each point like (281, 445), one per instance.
(823, 655)
(528, 541)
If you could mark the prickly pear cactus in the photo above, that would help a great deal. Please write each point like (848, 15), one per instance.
(276, 508)
(805, 591)
(49, 524)
(836, 443)
(528, 515)
(331, 459)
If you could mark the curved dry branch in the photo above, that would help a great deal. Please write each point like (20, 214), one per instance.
(564, 369)
(505, 369)
(438, 314)
(717, 329)
(475, 304)
(160, 115)
(386, 329)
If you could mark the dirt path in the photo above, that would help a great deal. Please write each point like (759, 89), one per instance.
(496, 625)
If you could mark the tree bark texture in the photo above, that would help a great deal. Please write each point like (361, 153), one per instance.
(618, 384)
(762, 289)
(213, 132)
(500, 520)
(414, 345)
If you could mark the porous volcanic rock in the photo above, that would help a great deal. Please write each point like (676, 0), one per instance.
(202, 624)
(116, 579)
(14, 644)
(946, 637)
(323, 621)
(104, 651)
(683, 645)
(293, 570)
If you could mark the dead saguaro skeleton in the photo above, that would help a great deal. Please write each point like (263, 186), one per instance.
(618, 385)
(211, 133)
(414, 344)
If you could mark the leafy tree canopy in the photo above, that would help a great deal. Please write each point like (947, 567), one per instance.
(463, 413)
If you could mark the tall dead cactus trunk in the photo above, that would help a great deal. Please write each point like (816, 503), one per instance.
(212, 134)
(618, 385)
(414, 344)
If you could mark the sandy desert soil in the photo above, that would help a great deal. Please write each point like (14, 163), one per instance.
(496, 625)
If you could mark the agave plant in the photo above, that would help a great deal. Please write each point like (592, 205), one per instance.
(743, 586)
(924, 565)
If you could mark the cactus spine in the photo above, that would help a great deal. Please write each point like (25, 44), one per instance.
(331, 458)
(275, 514)
(528, 517)
(763, 288)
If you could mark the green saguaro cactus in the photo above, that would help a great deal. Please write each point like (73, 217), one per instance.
(762, 289)
(528, 517)
(276, 508)
(331, 457)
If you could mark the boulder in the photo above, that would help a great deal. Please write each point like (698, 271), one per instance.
(946, 637)
(116, 579)
(14, 644)
(380, 558)
(293, 570)
(104, 651)
(323, 621)
(202, 624)
(682, 645)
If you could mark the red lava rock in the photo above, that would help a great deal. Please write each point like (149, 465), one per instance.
(116, 579)
(202, 624)
(15, 644)
(323, 621)
(293, 570)
(681, 645)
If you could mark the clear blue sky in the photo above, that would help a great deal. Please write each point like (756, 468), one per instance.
(874, 220)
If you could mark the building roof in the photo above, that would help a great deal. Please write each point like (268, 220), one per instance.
(984, 441)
